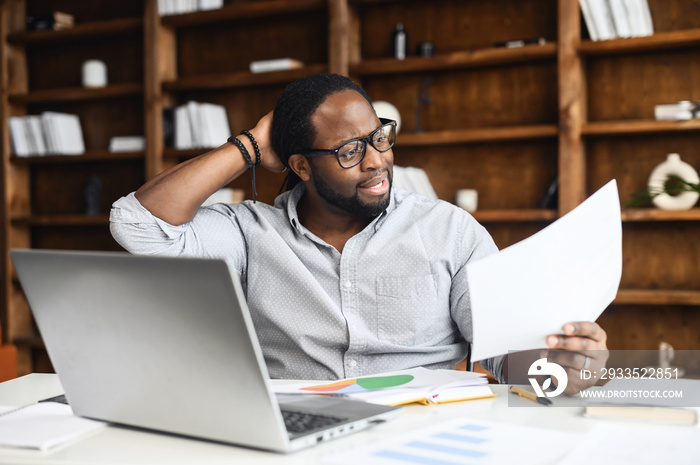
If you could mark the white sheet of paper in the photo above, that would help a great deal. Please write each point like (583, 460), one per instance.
(464, 442)
(569, 271)
(615, 444)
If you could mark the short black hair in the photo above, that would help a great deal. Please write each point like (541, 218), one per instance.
(292, 130)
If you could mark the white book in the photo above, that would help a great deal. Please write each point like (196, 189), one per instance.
(68, 133)
(127, 144)
(210, 4)
(214, 124)
(588, 18)
(33, 150)
(619, 15)
(195, 123)
(47, 126)
(278, 64)
(37, 132)
(183, 129)
(646, 18)
(634, 17)
(603, 19)
(18, 137)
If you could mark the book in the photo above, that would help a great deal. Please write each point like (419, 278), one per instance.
(127, 144)
(603, 19)
(56, 21)
(639, 399)
(214, 124)
(415, 385)
(278, 64)
(42, 426)
(619, 15)
(588, 18)
(63, 133)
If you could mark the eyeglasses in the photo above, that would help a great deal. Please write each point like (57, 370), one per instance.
(351, 153)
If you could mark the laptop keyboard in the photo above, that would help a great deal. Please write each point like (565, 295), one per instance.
(301, 422)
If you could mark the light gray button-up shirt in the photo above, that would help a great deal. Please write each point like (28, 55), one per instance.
(396, 298)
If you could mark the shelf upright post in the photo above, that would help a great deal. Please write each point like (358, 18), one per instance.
(159, 65)
(572, 108)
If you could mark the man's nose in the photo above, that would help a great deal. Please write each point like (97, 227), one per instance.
(373, 159)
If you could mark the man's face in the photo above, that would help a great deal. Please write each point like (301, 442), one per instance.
(364, 189)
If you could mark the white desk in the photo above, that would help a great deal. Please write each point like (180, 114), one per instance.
(121, 445)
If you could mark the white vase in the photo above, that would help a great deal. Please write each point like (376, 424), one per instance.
(673, 166)
(94, 73)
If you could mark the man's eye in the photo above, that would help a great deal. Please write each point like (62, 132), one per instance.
(350, 154)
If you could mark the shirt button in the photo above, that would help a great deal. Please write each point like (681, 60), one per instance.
(353, 363)
(348, 284)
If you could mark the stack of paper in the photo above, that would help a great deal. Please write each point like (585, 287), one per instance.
(42, 426)
(401, 387)
(570, 271)
(51, 133)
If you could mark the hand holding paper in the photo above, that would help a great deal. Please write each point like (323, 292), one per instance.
(568, 272)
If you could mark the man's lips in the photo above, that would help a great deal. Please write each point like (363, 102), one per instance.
(376, 186)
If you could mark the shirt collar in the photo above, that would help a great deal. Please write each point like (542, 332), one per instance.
(290, 199)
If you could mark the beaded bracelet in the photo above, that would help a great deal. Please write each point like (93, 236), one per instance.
(248, 160)
(258, 156)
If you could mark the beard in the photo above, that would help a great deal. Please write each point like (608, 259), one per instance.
(352, 204)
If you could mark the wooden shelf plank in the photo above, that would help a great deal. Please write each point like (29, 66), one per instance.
(33, 341)
(606, 128)
(243, 11)
(658, 41)
(655, 214)
(514, 216)
(62, 220)
(116, 27)
(455, 60)
(656, 297)
(89, 156)
(74, 94)
(241, 79)
(461, 136)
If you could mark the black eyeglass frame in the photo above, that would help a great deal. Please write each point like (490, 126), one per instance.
(366, 139)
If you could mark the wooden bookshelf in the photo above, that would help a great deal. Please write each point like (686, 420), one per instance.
(237, 12)
(240, 79)
(464, 136)
(80, 32)
(77, 94)
(457, 60)
(515, 216)
(506, 122)
(90, 156)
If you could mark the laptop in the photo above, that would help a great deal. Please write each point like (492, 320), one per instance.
(168, 344)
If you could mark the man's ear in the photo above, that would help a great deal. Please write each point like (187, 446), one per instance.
(300, 165)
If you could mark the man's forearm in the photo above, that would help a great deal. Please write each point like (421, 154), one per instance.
(176, 194)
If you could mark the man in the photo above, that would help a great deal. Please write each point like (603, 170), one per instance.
(344, 276)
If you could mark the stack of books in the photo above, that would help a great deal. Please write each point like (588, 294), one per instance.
(195, 125)
(50, 21)
(611, 19)
(50, 133)
(178, 7)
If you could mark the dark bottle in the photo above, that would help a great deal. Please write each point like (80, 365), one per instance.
(400, 41)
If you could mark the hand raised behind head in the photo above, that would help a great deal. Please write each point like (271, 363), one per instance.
(263, 135)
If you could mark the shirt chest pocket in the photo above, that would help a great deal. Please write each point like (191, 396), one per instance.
(404, 304)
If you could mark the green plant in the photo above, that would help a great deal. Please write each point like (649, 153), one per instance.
(674, 185)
